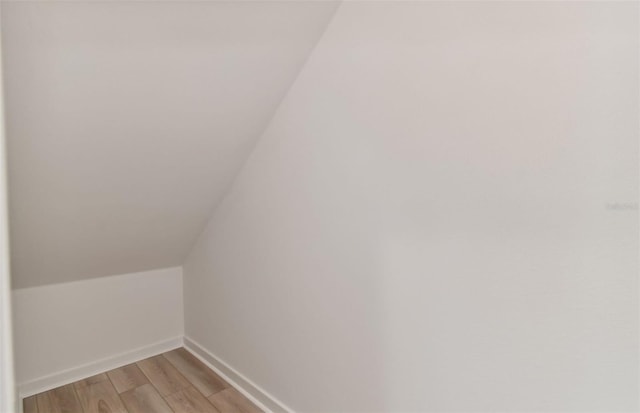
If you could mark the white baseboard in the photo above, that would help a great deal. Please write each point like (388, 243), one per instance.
(252, 391)
(61, 378)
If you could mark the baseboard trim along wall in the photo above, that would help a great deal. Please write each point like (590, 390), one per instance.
(252, 391)
(249, 389)
(61, 378)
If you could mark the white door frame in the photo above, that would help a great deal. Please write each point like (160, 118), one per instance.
(8, 397)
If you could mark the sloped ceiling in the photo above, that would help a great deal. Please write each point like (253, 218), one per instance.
(126, 121)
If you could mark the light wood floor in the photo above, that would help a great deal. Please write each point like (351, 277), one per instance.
(173, 382)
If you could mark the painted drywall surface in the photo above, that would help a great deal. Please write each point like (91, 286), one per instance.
(63, 326)
(127, 120)
(440, 217)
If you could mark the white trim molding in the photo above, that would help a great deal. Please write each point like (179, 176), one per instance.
(252, 391)
(248, 388)
(61, 378)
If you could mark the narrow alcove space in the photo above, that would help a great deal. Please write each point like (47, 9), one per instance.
(320, 206)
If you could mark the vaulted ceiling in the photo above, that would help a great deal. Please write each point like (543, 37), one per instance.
(126, 122)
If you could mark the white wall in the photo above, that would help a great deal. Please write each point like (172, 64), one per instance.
(429, 222)
(127, 121)
(69, 331)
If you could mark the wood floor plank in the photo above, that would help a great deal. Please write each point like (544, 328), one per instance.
(232, 401)
(59, 400)
(164, 377)
(190, 400)
(30, 405)
(202, 378)
(91, 380)
(127, 378)
(99, 397)
(145, 399)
